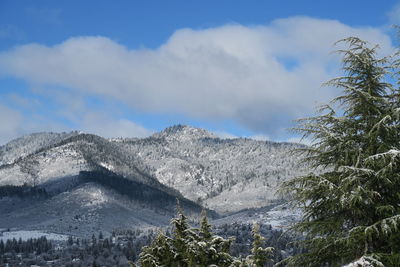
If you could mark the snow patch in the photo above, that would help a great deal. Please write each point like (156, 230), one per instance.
(25, 235)
(96, 197)
(107, 166)
(362, 262)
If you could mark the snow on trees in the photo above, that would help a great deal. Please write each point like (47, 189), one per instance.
(199, 247)
(352, 207)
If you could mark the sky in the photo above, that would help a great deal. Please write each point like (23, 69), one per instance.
(132, 68)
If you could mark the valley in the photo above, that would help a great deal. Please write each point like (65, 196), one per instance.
(76, 185)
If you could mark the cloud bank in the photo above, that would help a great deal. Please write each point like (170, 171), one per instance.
(10, 121)
(261, 77)
(106, 126)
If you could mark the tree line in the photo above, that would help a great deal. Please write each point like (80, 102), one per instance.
(22, 191)
(188, 246)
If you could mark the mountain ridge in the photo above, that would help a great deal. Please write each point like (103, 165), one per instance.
(229, 176)
(181, 159)
(203, 166)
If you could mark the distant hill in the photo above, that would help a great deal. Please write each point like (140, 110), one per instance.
(92, 183)
(223, 174)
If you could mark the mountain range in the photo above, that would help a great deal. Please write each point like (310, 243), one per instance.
(89, 183)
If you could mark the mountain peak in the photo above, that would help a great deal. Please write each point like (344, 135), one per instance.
(184, 132)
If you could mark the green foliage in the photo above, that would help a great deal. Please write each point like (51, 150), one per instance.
(205, 227)
(160, 253)
(351, 199)
(198, 247)
(259, 255)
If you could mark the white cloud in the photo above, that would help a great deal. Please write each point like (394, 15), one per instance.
(261, 77)
(21, 101)
(15, 123)
(10, 121)
(224, 135)
(106, 126)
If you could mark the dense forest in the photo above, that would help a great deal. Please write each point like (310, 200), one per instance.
(23, 191)
(126, 245)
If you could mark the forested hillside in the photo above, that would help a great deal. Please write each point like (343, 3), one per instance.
(223, 174)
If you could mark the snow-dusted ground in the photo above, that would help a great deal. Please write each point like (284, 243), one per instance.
(54, 163)
(25, 235)
(278, 216)
(81, 211)
(281, 216)
(29, 144)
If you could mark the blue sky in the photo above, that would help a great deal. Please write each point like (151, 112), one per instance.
(129, 68)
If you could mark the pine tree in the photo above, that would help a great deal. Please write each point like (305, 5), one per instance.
(198, 247)
(159, 253)
(70, 241)
(259, 255)
(166, 251)
(188, 246)
(205, 227)
(181, 237)
(351, 200)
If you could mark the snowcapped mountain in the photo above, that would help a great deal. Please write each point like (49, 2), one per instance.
(92, 202)
(94, 183)
(183, 133)
(67, 157)
(77, 201)
(224, 174)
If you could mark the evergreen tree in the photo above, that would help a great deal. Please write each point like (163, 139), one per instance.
(181, 237)
(94, 240)
(165, 251)
(205, 227)
(70, 241)
(259, 255)
(197, 247)
(351, 200)
(160, 253)
(207, 248)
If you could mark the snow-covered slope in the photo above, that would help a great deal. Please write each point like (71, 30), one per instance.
(92, 185)
(224, 174)
(51, 164)
(69, 156)
(29, 144)
(85, 209)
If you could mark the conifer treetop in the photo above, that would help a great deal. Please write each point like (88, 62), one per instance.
(350, 200)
